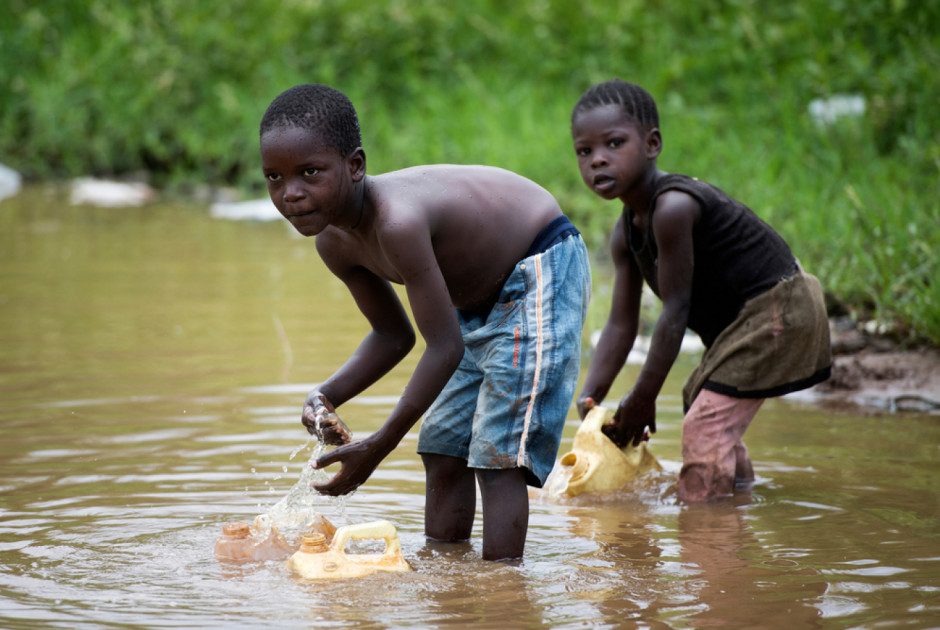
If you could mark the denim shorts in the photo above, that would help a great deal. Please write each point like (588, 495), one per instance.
(506, 405)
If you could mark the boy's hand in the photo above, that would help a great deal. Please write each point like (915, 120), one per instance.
(321, 420)
(585, 404)
(357, 463)
(630, 421)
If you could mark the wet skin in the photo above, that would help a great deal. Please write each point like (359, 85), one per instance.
(617, 160)
(450, 234)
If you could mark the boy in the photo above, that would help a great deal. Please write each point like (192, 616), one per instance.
(498, 283)
(718, 269)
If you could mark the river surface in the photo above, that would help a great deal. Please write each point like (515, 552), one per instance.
(153, 362)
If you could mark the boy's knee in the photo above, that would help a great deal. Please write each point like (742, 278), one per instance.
(444, 466)
(501, 480)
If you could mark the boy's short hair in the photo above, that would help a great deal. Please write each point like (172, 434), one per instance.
(319, 108)
(633, 99)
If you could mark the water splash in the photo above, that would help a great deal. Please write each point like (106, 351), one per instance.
(301, 506)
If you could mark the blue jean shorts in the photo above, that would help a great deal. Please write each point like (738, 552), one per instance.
(506, 405)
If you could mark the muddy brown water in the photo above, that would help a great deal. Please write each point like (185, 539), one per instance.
(152, 366)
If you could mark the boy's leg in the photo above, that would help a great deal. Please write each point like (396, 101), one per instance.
(505, 512)
(450, 498)
(743, 469)
(712, 451)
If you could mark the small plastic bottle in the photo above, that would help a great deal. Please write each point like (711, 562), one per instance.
(317, 560)
(320, 524)
(235, 542)
(240, 542)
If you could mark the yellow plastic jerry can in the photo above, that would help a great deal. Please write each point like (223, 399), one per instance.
(596, 464)
(316, 559)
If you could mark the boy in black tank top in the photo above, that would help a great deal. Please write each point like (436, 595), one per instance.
(719, 270)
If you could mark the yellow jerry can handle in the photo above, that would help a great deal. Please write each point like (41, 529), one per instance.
(363, 531)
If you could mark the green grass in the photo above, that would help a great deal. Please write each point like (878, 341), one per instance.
(176, 89)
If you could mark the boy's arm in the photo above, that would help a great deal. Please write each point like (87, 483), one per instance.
(620, 330)
(389, 341)
(408, 246)
(673, 221)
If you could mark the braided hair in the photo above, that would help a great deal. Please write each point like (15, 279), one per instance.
(318, 108)
(633, 100)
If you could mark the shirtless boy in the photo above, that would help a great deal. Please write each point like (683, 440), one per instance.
(498, 283)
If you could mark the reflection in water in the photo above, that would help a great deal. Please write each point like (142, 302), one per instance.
(153, 364)
(479, 593)
(737, 582)
(621, 577)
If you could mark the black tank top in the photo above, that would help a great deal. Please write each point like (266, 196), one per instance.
(737, 255)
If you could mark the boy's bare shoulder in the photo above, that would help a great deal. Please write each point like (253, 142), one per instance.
(337, 249)
(674, 202)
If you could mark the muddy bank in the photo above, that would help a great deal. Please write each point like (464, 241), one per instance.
(873, 374)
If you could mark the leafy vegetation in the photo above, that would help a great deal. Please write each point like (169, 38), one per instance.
(176, 89)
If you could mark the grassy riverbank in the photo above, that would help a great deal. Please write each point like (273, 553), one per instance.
(175, 89)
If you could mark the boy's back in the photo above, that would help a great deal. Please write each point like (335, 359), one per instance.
(478, 220)
(736, 255)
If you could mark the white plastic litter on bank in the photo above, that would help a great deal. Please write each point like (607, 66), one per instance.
(103, 193)
(826, 111)
(11, 182)
(251, 210)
